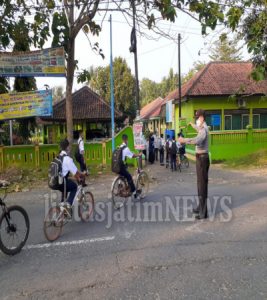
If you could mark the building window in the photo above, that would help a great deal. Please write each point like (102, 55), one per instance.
(228, 122)
(263, 121)
(256, 121)
(245, 121)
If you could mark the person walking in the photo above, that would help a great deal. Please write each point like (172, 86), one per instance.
(202, 162)
(151, 149)
(156, 143)
(79, 155)
(167, 150)
(173, 154)
(161, 150)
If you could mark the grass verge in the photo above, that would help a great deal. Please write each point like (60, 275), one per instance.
(257, 159)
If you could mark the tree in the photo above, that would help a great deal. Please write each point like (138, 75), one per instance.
(149, 90)
(169, 83)
(197, 66)
(74, 16)
(123, 85)
(20, 36)
(57, 93)
(226, 50)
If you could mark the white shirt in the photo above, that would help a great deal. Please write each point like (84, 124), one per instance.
(157, 142)
(126, 152)
(81, 145)
(68, 165)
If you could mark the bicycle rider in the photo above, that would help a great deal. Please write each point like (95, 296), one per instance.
(123, 172)
(68, 166)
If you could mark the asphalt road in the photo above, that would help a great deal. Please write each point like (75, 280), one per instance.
(152, 249)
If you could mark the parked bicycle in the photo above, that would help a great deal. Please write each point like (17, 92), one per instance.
(120, 189)
(14, 226)
(62, 213)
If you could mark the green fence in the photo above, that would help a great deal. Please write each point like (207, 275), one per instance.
(228, 144)
(96, 153)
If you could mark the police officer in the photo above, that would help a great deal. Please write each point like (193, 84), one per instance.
(202, 162)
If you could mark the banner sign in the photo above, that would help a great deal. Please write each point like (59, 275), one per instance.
(169, 114)
(46, 62)
(27, 104)
(139, 140)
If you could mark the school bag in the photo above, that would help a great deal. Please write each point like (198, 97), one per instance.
(116, 161)
(173, 148)
(55, 178)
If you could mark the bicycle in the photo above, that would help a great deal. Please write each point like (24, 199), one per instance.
(14, 226)
(120, 190)
(61, 214)
(184, 161)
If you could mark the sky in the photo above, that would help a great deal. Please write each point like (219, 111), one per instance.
(155, 57)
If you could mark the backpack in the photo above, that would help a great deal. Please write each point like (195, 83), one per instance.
(116, 162)
(173, 148)
(55, 178)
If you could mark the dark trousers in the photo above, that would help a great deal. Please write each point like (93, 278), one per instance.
(71, 188)
(202, 166)
(128, 177)
(173, 161)
(156, 154)
(167, 158)
(161, 156)
(80, 160)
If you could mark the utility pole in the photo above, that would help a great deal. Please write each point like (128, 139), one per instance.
(133, 48)
(179, 77)
(112, 89)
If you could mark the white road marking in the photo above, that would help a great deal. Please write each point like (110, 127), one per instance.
(195, 228)
(68, 243)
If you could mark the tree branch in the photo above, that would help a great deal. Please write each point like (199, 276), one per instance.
(85, 19)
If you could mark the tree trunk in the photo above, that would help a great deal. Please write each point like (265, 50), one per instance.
(69, 85)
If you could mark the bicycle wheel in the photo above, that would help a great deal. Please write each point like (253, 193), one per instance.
(142, 183)
(53, 223)
(86, 206)
(119, 192)
(185, 162)
(14, 229)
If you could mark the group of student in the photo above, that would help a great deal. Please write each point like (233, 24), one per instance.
(157, 146)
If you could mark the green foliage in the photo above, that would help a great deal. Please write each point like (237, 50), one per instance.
(124, 84)
(149, 91)
(226, 50)
(4, 87)
(60, 30)
(197, 66)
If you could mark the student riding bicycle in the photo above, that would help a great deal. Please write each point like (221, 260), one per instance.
(123, 171)
(68, 166)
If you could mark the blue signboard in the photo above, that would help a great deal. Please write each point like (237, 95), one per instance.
(215, 120)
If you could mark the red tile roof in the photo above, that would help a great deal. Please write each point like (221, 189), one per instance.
(222, 79)
(152, 109)
(87, 105)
